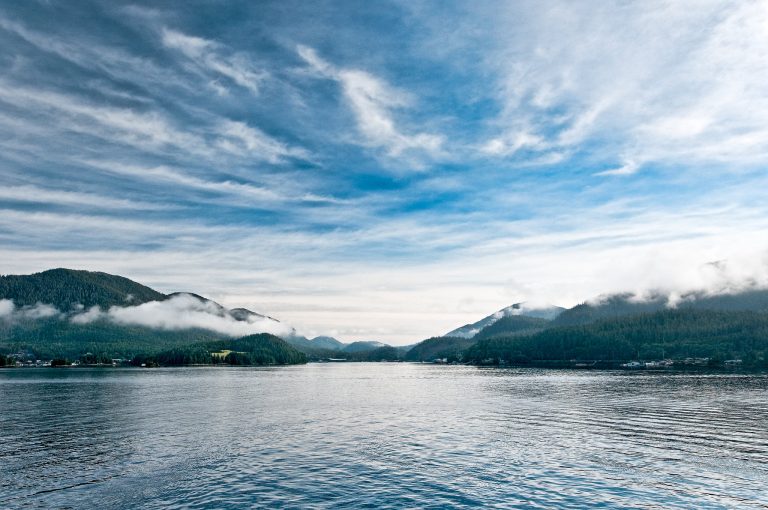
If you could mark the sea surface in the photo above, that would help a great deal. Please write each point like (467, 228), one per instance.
(381, 435)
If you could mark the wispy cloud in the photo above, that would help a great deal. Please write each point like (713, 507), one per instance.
(36, 194)
(212, 56)
(149, 130)
(652, 82)
(373, 102)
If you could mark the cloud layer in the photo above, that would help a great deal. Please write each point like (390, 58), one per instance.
(179, 312)
(182, 312)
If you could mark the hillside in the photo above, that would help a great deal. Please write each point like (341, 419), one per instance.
(55, 338)
(327, 342)
(621, 305)
(66, 288)
(363, 346)
(441, 347)
(512, 325)
(664, 334)
(66, 313)
(517, 310)
(320, 347)
(261, 349)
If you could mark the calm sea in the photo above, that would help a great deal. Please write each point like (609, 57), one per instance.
(381, 436)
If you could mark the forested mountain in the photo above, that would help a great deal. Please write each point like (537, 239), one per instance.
(362, 346)
(55, 338)
(64, 313)
(679, 333)
(261, 349)
(518, 309)
(450, 348)
(620, 305)
(512, 325)
(327, 342)
(322, 346)
(66, 288)
(382, 353)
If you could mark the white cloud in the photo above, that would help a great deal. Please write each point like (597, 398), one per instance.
(237, 137)
(36, 194)
(210, 55)
(627, 168)
(6, 308)
(92, 314)
(151, 131)
(648, 82)
(512, 142)
(373, 101)
(38, 311)
(182, 312)
(10, 312)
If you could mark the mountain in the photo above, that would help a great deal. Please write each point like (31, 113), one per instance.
(450, 348)
(67, 288)
(324, 347)
(669, 333)
(548, 312)
(362, 346)
(327, 342)
(512, 325)
(317, 348)
(261, 349)
(67, 313)
(239, 314)
(622, 305)
(243, 314)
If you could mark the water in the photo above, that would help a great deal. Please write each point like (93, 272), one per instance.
(381, 436)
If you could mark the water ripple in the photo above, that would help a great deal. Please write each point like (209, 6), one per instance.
(381, 436)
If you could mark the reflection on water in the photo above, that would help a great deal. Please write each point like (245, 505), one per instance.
(381, 435)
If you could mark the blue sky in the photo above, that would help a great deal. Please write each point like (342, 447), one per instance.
(387, 170)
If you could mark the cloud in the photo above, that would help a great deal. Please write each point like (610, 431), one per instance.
(627, 168)
(10, 312)
(209, 55)
(373, 101)
(6, 308)
(654, 82)
(92, 314)
(182, 312)
(149, 130)
(239, 137)
(36, 194)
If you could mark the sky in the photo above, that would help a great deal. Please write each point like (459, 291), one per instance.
(387, 170)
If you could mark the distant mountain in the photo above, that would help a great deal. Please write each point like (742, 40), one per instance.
(362, 346)
(68, 288)
(327, 342)
(447, 347)
(518, 309)
(324, 347)
(318, 347)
